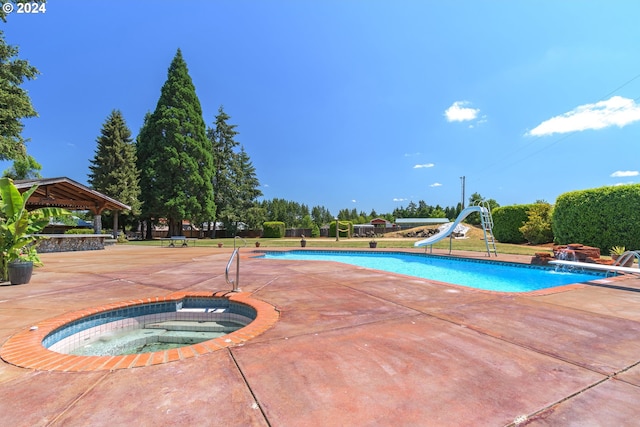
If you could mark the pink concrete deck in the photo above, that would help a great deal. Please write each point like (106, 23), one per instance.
(351, 347)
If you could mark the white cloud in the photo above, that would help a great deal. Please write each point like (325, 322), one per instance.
(623, 183)
(412, 154)
(399, 199)
(354, 201)
(426, 165)
(615, 111)
(618, 174)
(436, 184)
(458, 112)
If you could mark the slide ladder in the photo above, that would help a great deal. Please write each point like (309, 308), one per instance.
(486, 220)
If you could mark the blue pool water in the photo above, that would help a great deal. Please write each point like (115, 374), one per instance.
(488, 275)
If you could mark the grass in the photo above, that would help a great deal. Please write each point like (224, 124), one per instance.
(474, 243)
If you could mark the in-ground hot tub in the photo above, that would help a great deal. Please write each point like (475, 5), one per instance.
(150, 327)
(141, 332)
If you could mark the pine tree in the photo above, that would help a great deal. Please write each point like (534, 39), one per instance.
(15, 103)
(234, 180)
(244, 185)
(113, 169)
(223, 144)
(148, 189)
(175, 155)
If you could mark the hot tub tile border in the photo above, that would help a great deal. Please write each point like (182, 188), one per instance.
(25, 349)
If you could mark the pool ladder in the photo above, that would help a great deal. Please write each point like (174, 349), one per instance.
(234, 254)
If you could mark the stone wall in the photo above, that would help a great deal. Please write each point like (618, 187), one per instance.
(72, 242)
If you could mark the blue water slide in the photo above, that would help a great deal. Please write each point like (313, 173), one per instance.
(446, 231)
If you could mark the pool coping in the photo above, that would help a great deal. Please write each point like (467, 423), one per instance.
(25, 348)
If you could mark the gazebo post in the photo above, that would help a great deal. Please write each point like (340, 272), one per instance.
(115, 224)
(97, 224)
(97, 217)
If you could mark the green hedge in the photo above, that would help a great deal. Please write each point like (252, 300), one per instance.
(600, 217)
(332, 229)
(273, 229)
(79, 231)
(507, 221)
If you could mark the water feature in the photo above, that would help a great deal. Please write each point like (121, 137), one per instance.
(566, 255)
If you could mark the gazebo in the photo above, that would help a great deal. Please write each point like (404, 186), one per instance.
(66, 193)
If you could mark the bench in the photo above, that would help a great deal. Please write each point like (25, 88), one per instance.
(174, 239)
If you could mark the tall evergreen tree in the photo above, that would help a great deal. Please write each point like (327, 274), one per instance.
(148, 188)
(223, 143)
(175, 155)
(244, 186)
(114, 171)
(15, 103)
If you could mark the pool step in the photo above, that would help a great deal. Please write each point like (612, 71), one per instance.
(195, 326)
(204, 310)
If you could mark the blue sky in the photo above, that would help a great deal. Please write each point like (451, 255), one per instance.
(357, 104)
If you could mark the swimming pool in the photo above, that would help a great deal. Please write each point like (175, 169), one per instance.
(488, 275)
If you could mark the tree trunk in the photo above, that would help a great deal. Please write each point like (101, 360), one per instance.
(175, 227)
(148, 229)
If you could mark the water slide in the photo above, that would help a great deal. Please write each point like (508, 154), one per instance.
(445, 232)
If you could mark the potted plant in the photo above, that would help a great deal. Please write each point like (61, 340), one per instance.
(17, 232)
(303, 242)
(373, 243)
(257, 244)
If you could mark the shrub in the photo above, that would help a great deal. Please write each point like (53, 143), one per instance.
(600, 217)
(507, 221)
(273, 229)
(332, 229)
(79, 231)
(315, 230)
(538, 228)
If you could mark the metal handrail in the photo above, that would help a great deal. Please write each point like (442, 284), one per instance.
(238, 237)
(625, 257)
(234, 254)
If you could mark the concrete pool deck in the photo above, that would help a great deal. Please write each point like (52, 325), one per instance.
(352, 347)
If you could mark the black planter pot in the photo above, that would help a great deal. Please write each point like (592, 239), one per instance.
(303, 243)
(20, 272)
(373, 244)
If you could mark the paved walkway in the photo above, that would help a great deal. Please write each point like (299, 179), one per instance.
(353, 347)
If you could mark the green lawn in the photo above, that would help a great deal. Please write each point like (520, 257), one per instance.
(471, 244)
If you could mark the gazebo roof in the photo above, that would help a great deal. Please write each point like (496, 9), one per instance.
(66, 193)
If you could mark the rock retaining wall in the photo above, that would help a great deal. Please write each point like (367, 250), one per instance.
(72, 242)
